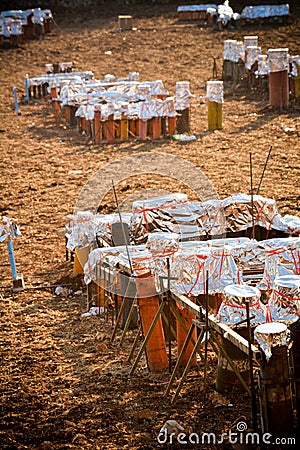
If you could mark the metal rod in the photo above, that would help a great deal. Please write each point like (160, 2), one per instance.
(206, 336)
(252, 385)
(169, 316)
(12, 260)
(26, 88)
(264, 169)
(16, 100)
(122, 226)
(252, 204)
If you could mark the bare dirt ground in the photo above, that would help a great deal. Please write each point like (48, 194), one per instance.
(60, 386)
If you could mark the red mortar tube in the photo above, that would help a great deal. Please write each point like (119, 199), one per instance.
(97, 126)
(279, 88)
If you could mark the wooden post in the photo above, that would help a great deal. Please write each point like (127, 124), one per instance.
(275, 398)
(125, 22)
(278, 77)
(214, 114)
(276, 393)
(148, 301)
(214, 104)
(124, 126)
(297, 80)
(295, 333)
(56, 104)
(97, 125)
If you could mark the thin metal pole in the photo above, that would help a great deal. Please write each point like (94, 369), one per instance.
(252, 204)
(122, 226)
(16, 100)
(12, 261)
(264, 169)
(205, 337)
(169, 316)
(250, 354)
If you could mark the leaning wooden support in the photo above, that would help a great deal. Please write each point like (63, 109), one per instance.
(189, 364)
(179, 359)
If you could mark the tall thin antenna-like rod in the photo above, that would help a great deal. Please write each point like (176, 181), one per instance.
(264, 169)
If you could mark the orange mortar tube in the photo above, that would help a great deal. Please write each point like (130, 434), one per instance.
(171, 125)
(142, 128)
(148, 301)
(56, 105)
(187, 318)
(68, 113)
(82, 124)
(156, 127)
(124, 128)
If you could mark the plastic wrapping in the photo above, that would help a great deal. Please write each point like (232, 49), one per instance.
(250, 41)
(295, 65)
(214, 91)
(192, 8)
(37, 16)
(169, 107)
(104, 226)
(163, 243)
(269, 335)
(233, 50)
(8, 229)
(225, 13)
(278, 59)
(238, 212)
(82, 230)
(284, 302)
(261, 11)
(183, 95)
(233, 308)
(262, 65)
(282, 257)
(252, 56)
(157, 88)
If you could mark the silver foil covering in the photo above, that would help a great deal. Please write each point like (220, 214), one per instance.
(271, 335)
(284, 302)
(233, 308)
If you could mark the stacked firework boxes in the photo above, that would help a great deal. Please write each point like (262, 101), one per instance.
(111, 109)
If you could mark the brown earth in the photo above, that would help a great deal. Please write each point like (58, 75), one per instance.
(59, 389)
